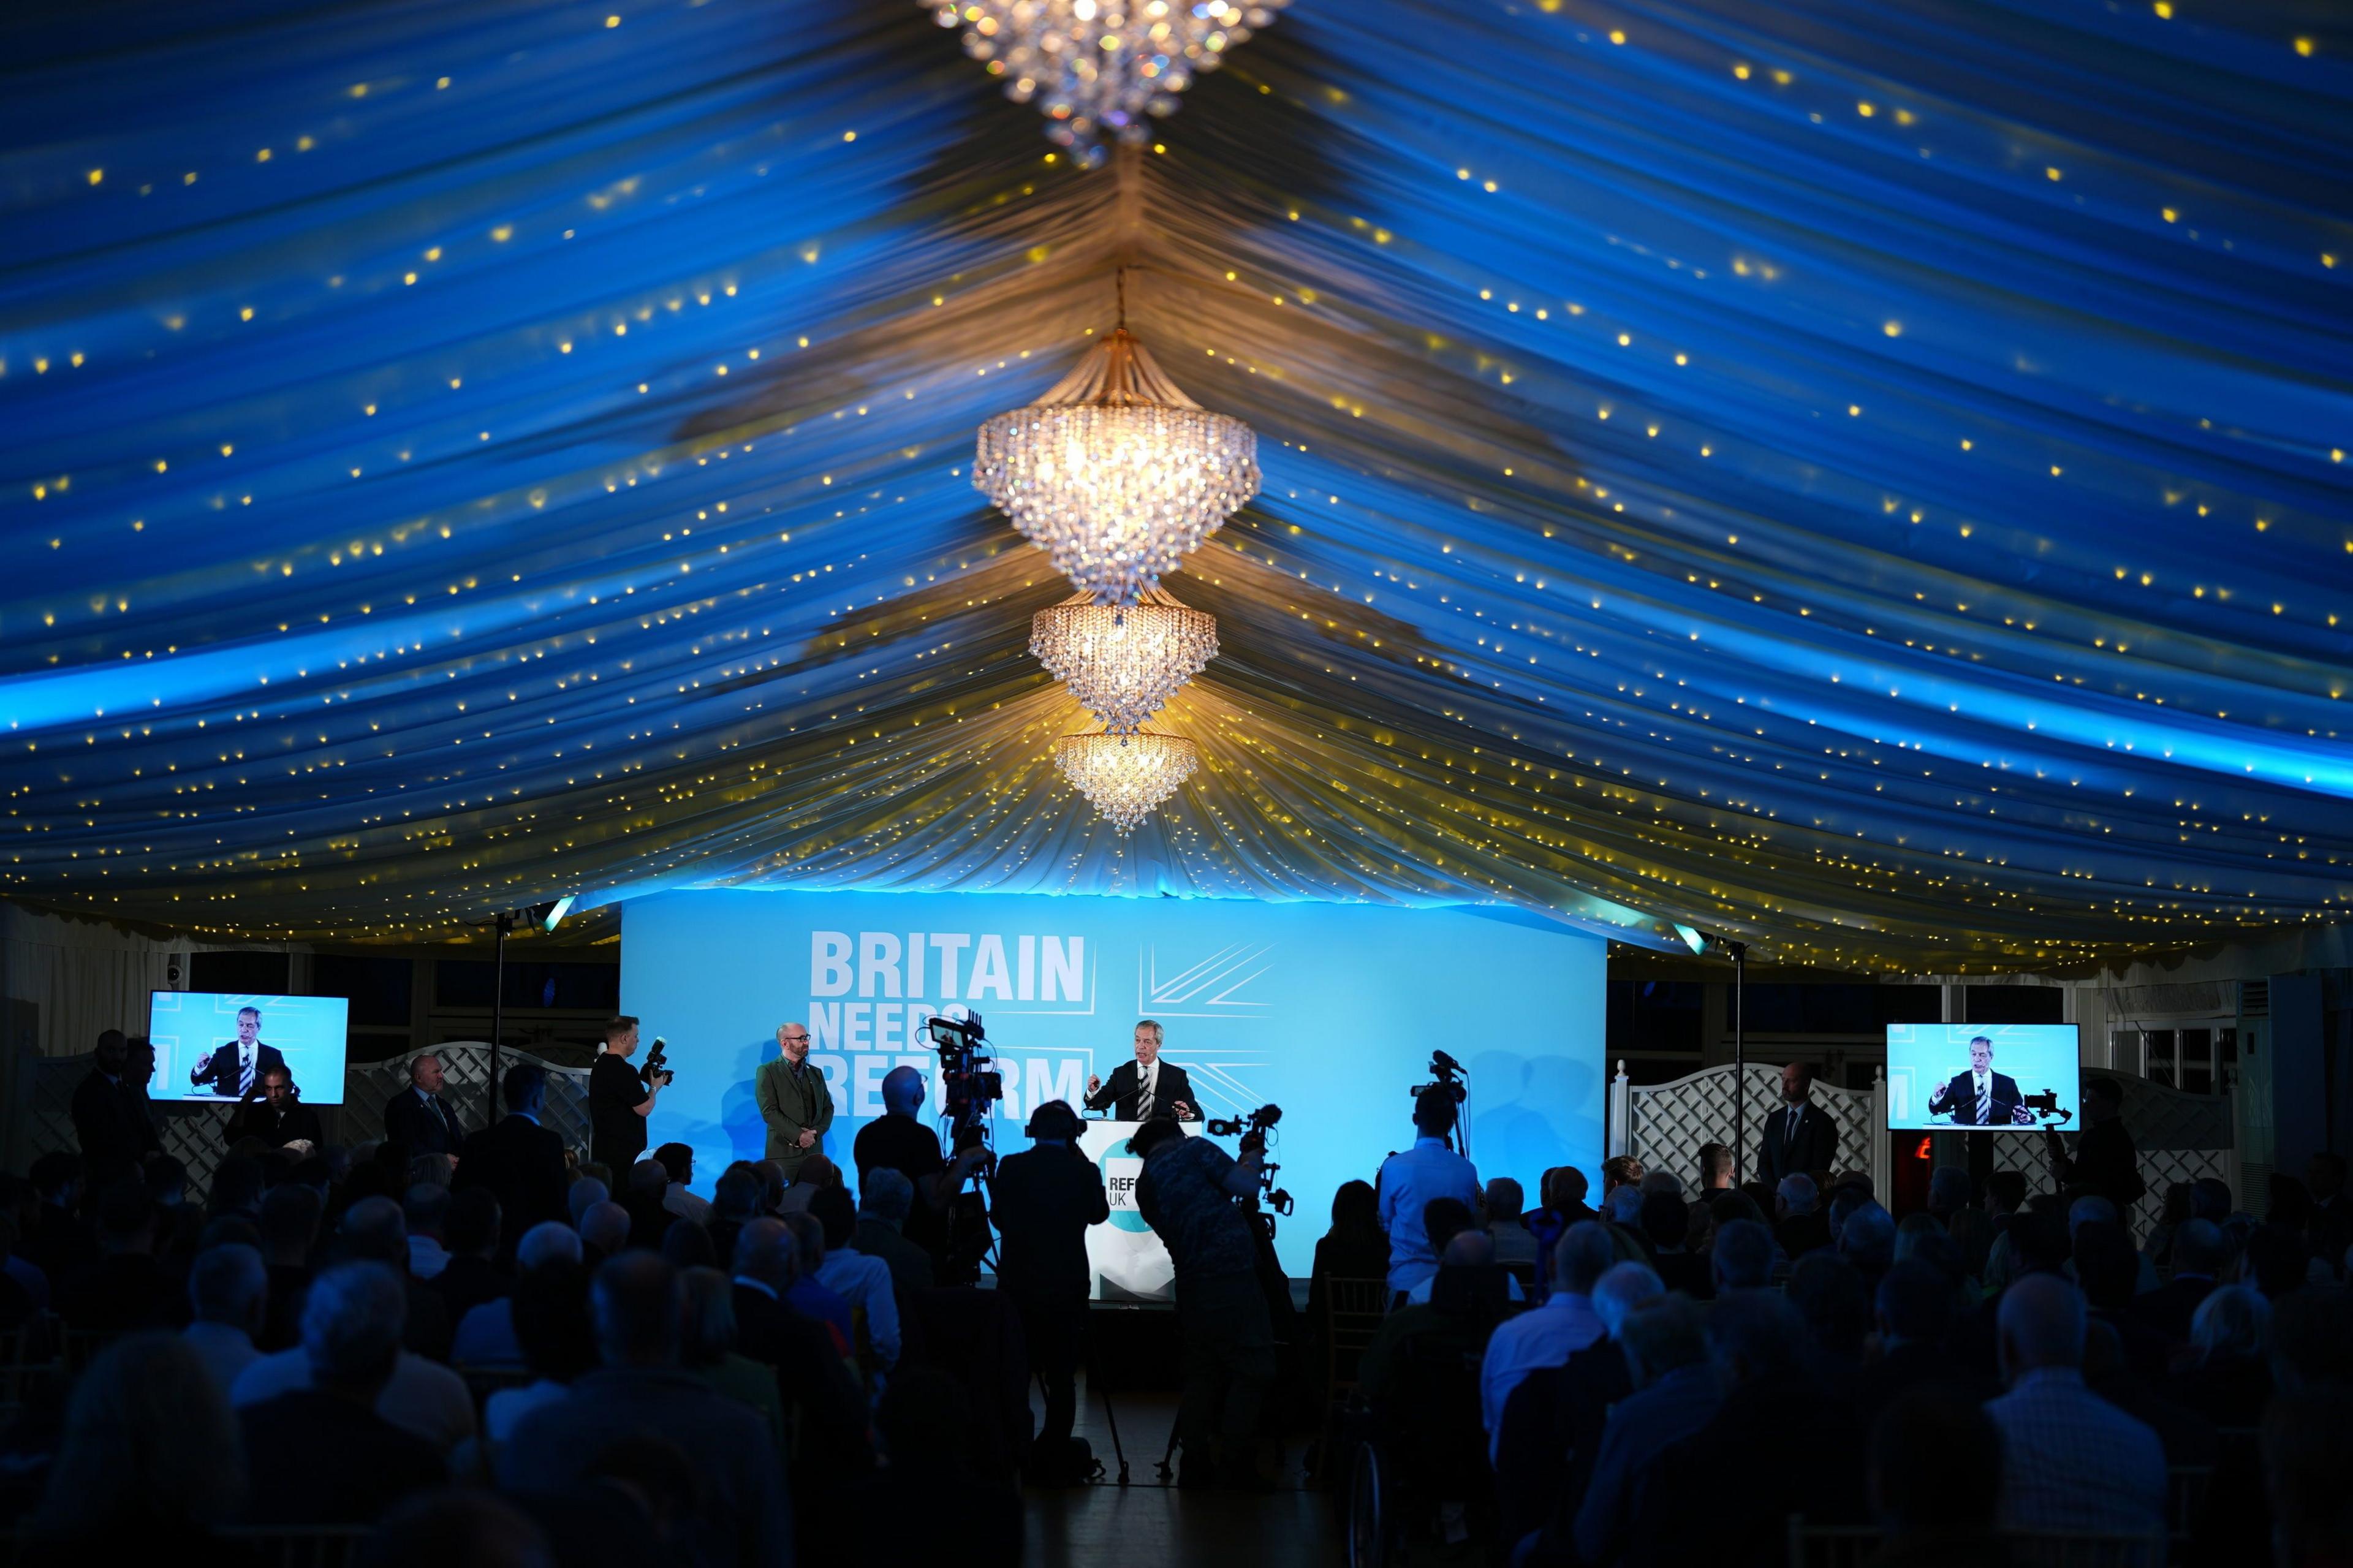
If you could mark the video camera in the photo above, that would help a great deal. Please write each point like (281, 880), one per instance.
(967, 1072)
(1256, 1125)
(2046, 1105)
(655, 1068)
(1445, 1073)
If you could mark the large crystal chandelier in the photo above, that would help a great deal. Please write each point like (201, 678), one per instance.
(1125, 777)
(1122, 664)
(1115, 473)
(1099, 67)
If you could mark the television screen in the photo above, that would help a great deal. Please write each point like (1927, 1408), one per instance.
(205, 1041)
(1982, 1077)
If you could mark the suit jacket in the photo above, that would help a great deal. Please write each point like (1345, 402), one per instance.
(110, 1122)
(789, 1108)
(1046, 1199)
(1960, 1098)
(425, 1126)
(220, 1068)
(1119, 1092)
(521, 1164)
(1814, 1147)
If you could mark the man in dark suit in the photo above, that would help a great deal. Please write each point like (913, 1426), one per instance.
(2200, 1251)
(238, 1065)
(1981, 1097)
(110, 1113)
(520, 1162)
(1147, 1086)
(1800, 1136)
(418, 1118)
(1047, 1198)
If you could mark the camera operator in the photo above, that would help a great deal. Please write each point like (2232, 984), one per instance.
(1409, 1180)
(899, 1140)
(1198, 1201)
(1047, 1196)
(620, 1099)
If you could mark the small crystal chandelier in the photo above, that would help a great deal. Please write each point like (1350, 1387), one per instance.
(1123, 664)
(1125, 777)
(1115, 473)
(1099, 68)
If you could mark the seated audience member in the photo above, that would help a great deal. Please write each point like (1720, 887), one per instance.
(884, 1198)
(823, 1404)
(2105, 1264)
(1778, 1445)
(320, 1450)
(1514, 1245)
(1972, 1233)
(1714, 1172)
(488, 1339)
(1949, 1192)
(645, 1195)
(470, 1236)
(640, 1391)
(1675, 1394)
(465, 1529)
(603, 1232)
(1356, 1248)
(376, 1229)
(1619, 1170)
(2228, 1377)
(549, 1311)
(425, 1213)
(148, 1462)
(1914, 1308)
(1546, 1335)
(1798, 1228)
(1552, 1421)
(816, 1174)
(1623, 1208)
(688, 1246)
(707, 1344)
(2071, 1461)
(1666, 1221)
(930, 1450)
(518, 1161)
(421, 1398)
(1564, 1205)
(1466, 1301)
(2307, 1451)
(289, 1229)
(2198, 1253)
(228, 1291)
(864, 1282)
(1933, 1477)
(1665, 1181)
(1414, 1178)
(1444, 1219)
(810, 1296)
(1867, 1241)
(272, 1113)
(125, 1288)
(581, 1195)
(738, 1198)
(1741, 1258)
(677, 1161)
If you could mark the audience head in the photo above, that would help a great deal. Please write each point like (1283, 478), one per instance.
(816, 1171)
(1868, 1238)
(1934, 1467)
(426, 1211)
(1505, 1199)
(1619, 1171)
(765, 1251)
(167, 1181)
(2041, 1323)
(1834, 1299)
(707, 1315)
(2006, 1191)
(148, 1434)
(1916, 1304)
(1054, 1121)
(1949, 1189)
(688, 1246)
(1660, 1335)
(2209, 1199)
(737, 1194)
(1665, 1221)
(548, 1244)
(808, 1238)
(1434, 1112)
(1715, 1165)
(904, 1091)
(1796, 1195)
(772, 1183)
(1622, 1287)
(1624, 1205)
(471, 1229)
(2231, 1321)
(2276, 1259)
(524, 1089)
(605, 1227)
(432, 1170)
(585, 1195)
(1566, 1188)
(1743, 1257)
(2107, 1271)
(1355, 1209)
(677, 1161)
(228, 1285)
(551, 1318)
(2200, 1249)
(455, 1528)
(635, 1306)
(372, 1228)
(352, 1325)
(290, 1222)
(886, 1195)
(1467, 1248)
(1655, 1181)
(1752, 1335)
(1580, 1258)
(833, 1209)
(2040, 1240)
(648, 1181)
(2089, 1209)
(1442, 1219)
(237, 1184)
(126, 1219)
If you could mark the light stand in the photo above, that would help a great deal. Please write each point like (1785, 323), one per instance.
(1707, 945)
(546, 917)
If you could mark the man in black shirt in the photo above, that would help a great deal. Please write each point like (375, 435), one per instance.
(1046, 1198)
(620, 1100)
(2105, 1161)
(899, 1140)
(110, 1113)
(272, 1113)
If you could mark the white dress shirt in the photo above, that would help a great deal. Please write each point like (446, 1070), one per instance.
(865, 1283)
(1542, 1336)
(423, 1398)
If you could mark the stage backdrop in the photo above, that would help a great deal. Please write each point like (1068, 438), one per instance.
(1329, 1010)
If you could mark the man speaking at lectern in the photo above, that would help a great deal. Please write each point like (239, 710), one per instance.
(1981, 1097)
(1147, 1086)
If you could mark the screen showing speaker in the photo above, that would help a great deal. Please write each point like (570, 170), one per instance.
(214, 1045)
(1980, 1078)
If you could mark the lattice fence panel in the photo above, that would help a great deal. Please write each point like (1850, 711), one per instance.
(1671, 1120)
(2179, 1137)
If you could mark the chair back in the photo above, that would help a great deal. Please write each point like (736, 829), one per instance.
(1830, 1545)
(2083, 1548)
(312, 1546)
(1353, 1310)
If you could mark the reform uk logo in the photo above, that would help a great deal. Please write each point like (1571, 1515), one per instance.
(1215, 986)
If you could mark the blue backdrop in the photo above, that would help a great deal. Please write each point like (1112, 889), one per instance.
(1330, 1011)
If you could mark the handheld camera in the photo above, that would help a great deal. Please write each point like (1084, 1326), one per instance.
(655, 1068)
(968, 1073)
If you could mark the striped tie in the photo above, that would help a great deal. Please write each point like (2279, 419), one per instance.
(1142, 1097)
(1984, 1105)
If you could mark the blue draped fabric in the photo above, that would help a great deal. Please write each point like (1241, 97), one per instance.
(1865, 478)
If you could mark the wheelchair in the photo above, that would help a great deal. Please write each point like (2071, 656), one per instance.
(1419, 1485)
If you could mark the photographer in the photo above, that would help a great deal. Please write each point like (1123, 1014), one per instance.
(1047, 1196)
(620, 1099)
(1197, 1200)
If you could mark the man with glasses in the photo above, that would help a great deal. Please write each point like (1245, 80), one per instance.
(794, 1101)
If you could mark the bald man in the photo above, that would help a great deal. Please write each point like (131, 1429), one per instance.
(900, 1139)
(418, 1117)
(794, 1101)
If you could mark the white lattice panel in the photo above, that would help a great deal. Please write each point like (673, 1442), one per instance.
(1669, 1122)
(2179, 1137)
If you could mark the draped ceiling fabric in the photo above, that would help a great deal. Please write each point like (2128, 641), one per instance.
(1864, 475)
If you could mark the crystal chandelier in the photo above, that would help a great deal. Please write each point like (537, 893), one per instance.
(1126, 775)
(1123, 664)
(1115, 473)
(1099, 67)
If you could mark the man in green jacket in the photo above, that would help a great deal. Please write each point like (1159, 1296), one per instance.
(793, 1100)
